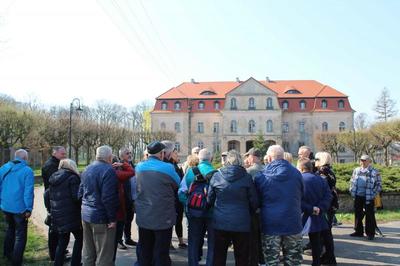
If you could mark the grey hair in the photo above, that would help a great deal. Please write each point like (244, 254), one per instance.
(234, 158)
(169, 147)
(103, 153)
(57, 148)
(276, 152)
(205, 155)
(122, 151)
(68, 164)
(21, 154)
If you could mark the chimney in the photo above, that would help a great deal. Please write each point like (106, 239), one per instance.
(267, 79)
(193, 81)
(237, 79)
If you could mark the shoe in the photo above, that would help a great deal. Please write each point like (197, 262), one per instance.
(325, 260)
(171, 247)
(182, 246)
(130, 242)
(355, 234)
(121, 245)
(337, 224)
(370, 237)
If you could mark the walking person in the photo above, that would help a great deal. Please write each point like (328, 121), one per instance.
(16, 202)
(365, 184)
(100, 202)
(233, 195)
(157, 184)
(63, 203)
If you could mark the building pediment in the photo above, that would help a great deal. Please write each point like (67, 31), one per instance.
(251, 87)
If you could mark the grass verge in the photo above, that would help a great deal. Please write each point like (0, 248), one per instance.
(382, 216)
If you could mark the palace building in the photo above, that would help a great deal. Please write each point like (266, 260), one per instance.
(229, 115)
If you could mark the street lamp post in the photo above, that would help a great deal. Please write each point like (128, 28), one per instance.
(71, 107)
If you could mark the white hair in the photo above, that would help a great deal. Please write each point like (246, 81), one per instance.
(122, 151)
(169, 147)
(103, 153)
(276, 152)
(205, 155)
(21, 154)
(234, 158)
(68, 164)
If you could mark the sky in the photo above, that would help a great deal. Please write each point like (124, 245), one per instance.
(130, 51)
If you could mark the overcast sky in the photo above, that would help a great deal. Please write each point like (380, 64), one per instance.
(129, 51)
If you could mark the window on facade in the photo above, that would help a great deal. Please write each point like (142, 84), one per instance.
(342, 126)
(200, 144)
(324, 104)
(252, 126)
(341, 104)
(163, 126)
(233, 104)
(269, 126)
(285, 105)
(285, 127)
(269, 104)
(302, 127)
(285, 146)
(177, 146)
(164, 106)
(301, 143)
(342, 149)
(233, 126)
(324, 126)
(216, 128)
(200, 127)
(252, 104)
(216, 146)
(216, 105)
(177, 127)
(342, 161)
(177, 106)
(201, 105)
(302, 104)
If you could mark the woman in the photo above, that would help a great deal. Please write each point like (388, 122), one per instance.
(64, 206)
(234, 197)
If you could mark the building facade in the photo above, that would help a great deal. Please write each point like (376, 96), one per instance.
(229, 115)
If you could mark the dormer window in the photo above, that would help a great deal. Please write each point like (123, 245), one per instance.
(324, 104)
(208, 92)
(302, 105)
(341, 104)
(164, 105)
(252, 104)
(216, 105)
(292, 91)
(285, 105)
(177, 105)
(201, 105)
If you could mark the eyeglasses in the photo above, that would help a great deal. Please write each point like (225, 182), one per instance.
(363, 160)
(128, 153)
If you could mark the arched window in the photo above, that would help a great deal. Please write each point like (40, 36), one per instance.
(177, 105)
(201, 105)
(252, 104)
(324, 104)
(216, 105)
(324, 126)
(270, 126)
(177, 127)
(342, 126)
(269, 103)
(285, 105)
(233, 126)
(302, 104)
(252, 126)
(163, 126)
(233, 104)
(200, 144)
(164, 105)
(341, 104)
(177, 146)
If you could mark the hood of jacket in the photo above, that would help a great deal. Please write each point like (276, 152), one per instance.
(60, 176)
(232, 173)
(279, 170)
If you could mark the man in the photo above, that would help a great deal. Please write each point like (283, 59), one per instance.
(49, 168)
(280, 187)
(16, 202)
(195, 151)
(223, 158)
(365, 184)
(198, 226)
(256, 255)
(100, 202)
(157, 183)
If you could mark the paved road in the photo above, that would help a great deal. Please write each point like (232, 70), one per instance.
(349, 251)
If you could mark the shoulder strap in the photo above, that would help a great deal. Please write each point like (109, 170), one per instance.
(9, 170)
(197, 173)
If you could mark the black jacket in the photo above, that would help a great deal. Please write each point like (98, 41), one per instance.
(62, 199)
(49, 168)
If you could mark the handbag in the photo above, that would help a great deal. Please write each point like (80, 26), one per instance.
(378, 202)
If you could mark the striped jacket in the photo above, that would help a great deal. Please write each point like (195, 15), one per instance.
(374, 182)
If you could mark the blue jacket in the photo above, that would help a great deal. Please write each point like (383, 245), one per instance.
(16, 188)
(374, 182)
(234, 197)
(280, 188)
(99, 193)
(156, 188)
(316, 193)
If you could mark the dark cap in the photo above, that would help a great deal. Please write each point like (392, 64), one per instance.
(155, 147)
(254, 151)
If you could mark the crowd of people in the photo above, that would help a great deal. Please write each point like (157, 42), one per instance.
(260, 204)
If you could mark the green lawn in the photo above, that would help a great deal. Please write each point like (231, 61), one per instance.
(36, 246)
(382, 216)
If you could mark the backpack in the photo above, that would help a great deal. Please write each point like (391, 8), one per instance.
(197, 196)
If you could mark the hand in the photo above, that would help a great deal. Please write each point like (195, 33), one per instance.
(116, 164)
(316, 210)
(27, 214)
(111, 225)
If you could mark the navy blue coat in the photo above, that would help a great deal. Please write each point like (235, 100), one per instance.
(234, 197)
(280, 187)
(99, 193)
(318, 194)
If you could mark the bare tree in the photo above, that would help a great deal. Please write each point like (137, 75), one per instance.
(385, 107)
(329, 142)
(361, 121)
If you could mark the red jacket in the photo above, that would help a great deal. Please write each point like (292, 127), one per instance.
(123, 174)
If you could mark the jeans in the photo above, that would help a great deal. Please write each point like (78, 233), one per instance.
(370, 222)
(63, 240)
(197, 229)
(154, 247)
(15, 239)
(241, 244)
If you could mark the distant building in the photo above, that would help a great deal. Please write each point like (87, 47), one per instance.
(229, 115)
